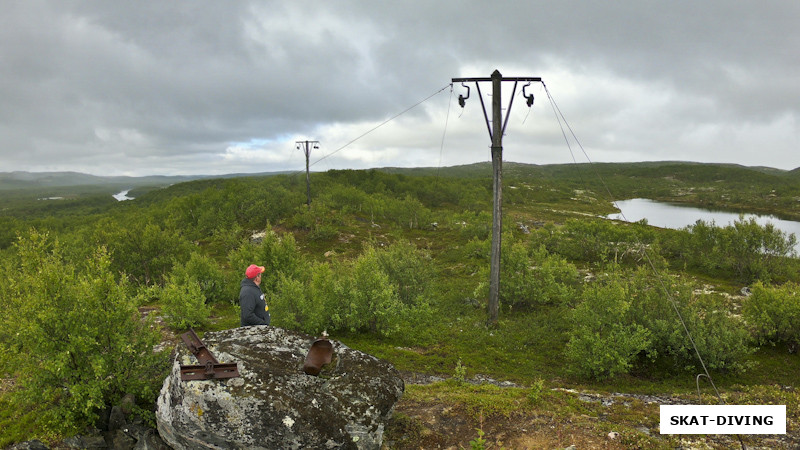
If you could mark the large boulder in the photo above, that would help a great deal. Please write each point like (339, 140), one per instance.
(274, 403)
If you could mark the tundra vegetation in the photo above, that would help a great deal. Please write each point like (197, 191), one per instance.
(395, 263)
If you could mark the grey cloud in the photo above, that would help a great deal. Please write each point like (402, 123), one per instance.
(168, 86)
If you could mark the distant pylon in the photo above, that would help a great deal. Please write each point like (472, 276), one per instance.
(306, 146)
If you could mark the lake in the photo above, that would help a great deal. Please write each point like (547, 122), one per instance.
(668, 215)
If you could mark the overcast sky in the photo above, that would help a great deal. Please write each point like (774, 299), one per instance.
(213, 87)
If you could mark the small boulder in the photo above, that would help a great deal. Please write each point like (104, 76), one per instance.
(116, 419)
(274, 404)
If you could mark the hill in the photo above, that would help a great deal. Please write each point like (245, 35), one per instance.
(21, 180)
(37, 180)
(394, 262)
(678, 169)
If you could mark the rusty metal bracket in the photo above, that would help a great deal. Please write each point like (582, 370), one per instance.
(209, 367)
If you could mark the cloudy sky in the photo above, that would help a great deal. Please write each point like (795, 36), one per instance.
(214, 87)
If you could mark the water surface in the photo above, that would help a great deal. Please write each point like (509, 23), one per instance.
(669, 215)
(123, 195)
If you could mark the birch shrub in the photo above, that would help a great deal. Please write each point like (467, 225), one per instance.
(745, 250)
(78, 342)
(606, 340)
(382, 291)
(531, 276)
(628, 319)
(183, 303)
(773, 314)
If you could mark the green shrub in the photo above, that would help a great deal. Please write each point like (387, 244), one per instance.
(321, 299)
(277, 253)
(79, 343)
(320, 220)
(289, 298)
(357, 296)
(773, 314)
(720, 337)
(535, 392)
(600, 240)
(306, 304)
(460, 373)
(553, 278)
(408, 212)
(408, 268)
(183, 303)
(745, 250)
(205, 272)
(477, 225)
(605, 339)
(531, 277)
(367, 299)
(348, 199)
(145, 251)
(223, 240)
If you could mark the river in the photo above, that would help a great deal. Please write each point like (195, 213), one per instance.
(123, 195)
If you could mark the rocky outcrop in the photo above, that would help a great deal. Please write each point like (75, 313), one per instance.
(274, 404)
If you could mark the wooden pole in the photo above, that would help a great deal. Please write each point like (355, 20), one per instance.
(496, 134)
(308, 180)
(306, 147)
(497, 189)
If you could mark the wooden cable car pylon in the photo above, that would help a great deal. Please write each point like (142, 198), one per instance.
(496, 131)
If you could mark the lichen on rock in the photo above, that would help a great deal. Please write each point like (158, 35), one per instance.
(274, 404)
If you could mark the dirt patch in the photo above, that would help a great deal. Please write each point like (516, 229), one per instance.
(420, 425)
(609, 421)
(6, 385)
(417, 424)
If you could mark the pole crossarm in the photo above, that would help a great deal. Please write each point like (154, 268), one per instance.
(479, 79)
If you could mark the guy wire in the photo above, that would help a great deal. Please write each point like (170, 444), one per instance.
(560, 117)
(444, 133)
(381, 124)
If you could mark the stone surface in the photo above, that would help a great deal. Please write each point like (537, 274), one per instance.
(30, 445)
(85, 442)
(274, 404)
(150, 441)
(119, 440)
(116, 419)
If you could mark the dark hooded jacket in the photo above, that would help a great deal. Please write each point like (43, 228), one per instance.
(254, 307)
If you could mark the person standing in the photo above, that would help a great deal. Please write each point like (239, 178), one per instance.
(254, 309)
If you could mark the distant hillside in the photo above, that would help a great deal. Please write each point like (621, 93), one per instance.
(39, 180)
(688, 171)
(679, 170)
(28, 180)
